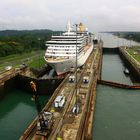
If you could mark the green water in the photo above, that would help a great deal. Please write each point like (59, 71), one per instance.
(117, 115)
(16, 113)
(117, 112)
(112, 69)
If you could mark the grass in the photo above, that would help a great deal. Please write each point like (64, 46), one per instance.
(32, 59)
(37, 62)
(132, 51)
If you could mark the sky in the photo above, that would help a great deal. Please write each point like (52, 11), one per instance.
(97, 15)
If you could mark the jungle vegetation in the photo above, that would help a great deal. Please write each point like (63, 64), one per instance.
(18, 42)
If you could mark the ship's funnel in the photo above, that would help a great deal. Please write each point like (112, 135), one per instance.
(81, 27)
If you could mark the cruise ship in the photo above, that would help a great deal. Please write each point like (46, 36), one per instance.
(63, 51)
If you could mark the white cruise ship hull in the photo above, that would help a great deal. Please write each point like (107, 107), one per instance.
(64, 66)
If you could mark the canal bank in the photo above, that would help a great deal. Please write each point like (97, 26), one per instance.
(132, 64)
(129, 62)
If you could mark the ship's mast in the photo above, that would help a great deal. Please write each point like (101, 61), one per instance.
(69, 27)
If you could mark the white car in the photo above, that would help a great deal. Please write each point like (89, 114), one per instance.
(75, 109)
(59, 101)
(8, 68)
(72, 78)
(85, 79)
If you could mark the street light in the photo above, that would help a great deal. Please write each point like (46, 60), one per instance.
(76, 72)
(130, 40)
(118, 41)
(39, 51)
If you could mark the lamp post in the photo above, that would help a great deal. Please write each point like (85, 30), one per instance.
(130, 40)
(39, 51)
(118, 41)
(76, 72)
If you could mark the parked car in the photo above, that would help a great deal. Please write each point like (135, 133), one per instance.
(75, 109)
(59, 101)
(72, 78)
(85, 79)
(23, 66)
(8, 68)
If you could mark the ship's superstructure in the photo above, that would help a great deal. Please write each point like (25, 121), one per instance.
(61, 50)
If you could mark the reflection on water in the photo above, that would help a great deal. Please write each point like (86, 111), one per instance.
(112, 41)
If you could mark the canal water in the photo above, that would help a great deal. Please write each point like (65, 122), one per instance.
(17, 111)
(117, 111)
(111, 41)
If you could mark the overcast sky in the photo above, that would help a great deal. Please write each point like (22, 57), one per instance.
(97, 15)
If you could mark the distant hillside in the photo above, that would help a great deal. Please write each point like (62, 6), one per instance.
(135, 36)
(23, 32)
(20, 41)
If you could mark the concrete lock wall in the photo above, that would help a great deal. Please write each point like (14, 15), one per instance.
(48, 86)
(134, 71)
(10, 84)
(44, 86)
(110, 50)
(2, 92)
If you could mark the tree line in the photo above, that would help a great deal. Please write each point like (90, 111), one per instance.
(18, 42)
(135, 36)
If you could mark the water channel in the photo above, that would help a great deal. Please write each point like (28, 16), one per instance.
(17, 111)
(117, 110)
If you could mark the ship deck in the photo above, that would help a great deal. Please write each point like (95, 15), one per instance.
(58, 58)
